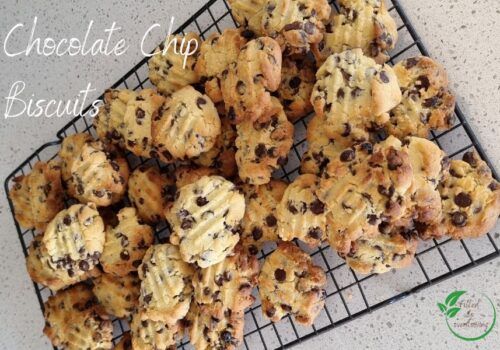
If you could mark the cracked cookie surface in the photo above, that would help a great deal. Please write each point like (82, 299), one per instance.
(38, 196)
(289, 283)
(426, 104)
(74, 320)
(126, 243)
(364, 24)
(263, 146)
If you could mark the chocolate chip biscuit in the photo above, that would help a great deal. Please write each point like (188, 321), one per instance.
(301, 214)
(216, 53)
(205, 220)
(109, 121)
(99, 174)
(138, 121)
(74, 239)
(74, 320)
(297, 82)
(289, 283)
(382, 253)
(295, 23)
(187, 126)
(263, 146)
(166, 67)
(222, 292)
(147, 334)
(41, 271)
(365, 191)
(427, 103)
(166, 289)
(248, 13)
(38, 196)
(248, 82)
(222, 155)
(260, 223)
(470, 200)
(150, 191)
(354, 93)
(126, 243)
(118, 295)
(364, 24)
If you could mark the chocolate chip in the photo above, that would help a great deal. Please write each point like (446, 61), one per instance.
(83, 265)
(253, 250)
(241, 87)
(271, 312)
(280, 275)
(463, 200)
(248, 34)
(384, 77)
(140, 114)
(219, 280)
(459, 219)
(201, 201)
(200, 102)
(469, 157)
(260, 150)
(356, 92)
(372, 219)
(384, 227)
(295, 82)
(493, 186)
(340, 93)
(394, 160)
(186, 224)
(317, 207)
(115, 166)
(347, 130)
(257, 233)
(431, 102)
(309, 28)
(347, 155)
(292, 26)
(423, 82)
(315, 233)
(124, 255)
(388, 192)
(226, 337)
(271, 220)
(98, 193)
(148, 297)
(411, 62)
(455, 174)
(291, 208)
(67, 220)
(206, 291)
(136, 263)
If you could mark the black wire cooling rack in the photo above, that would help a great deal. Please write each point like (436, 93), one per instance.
(349, 295)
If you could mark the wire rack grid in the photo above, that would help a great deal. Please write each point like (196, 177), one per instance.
(349, 295)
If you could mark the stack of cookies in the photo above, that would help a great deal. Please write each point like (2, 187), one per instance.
(218, 126)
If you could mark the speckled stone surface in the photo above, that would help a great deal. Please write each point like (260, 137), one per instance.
(460, 33)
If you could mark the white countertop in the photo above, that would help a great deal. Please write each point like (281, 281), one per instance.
(460, 33)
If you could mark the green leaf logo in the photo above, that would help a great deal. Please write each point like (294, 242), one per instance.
(452, 312)
(447, 308)
(442, 307)
(453, 297)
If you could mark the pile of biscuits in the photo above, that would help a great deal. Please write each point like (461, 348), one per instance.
(219, 125)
